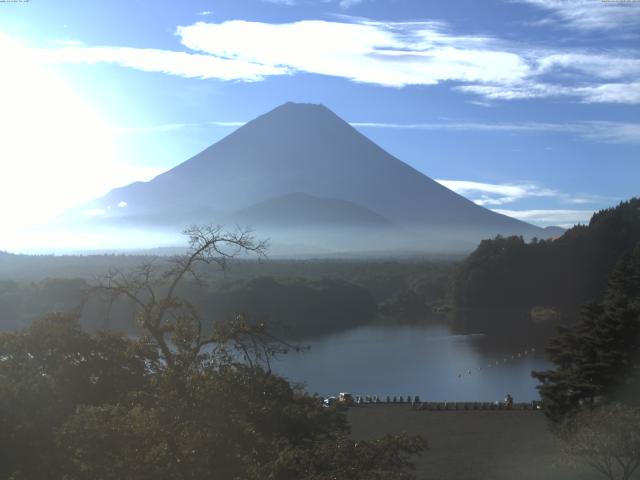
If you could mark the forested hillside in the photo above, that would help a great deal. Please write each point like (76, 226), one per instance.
(560, 274)
(297, 298)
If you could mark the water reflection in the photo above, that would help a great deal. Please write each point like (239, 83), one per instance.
(426, 360)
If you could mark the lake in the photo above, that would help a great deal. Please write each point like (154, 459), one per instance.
(425, 360)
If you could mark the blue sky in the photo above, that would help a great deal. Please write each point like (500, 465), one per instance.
(529, 107)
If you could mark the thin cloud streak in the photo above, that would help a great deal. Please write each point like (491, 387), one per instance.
(228, 124)
(494, 194)
(346, 4)
(589, 15)
(597, 131)
(487, 194)
(621, 92)
(562, 218)
(611, 67)
(170, 127)
(188, 65)
(282, 2)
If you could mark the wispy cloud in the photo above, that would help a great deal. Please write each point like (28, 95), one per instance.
(597, 131)
(344, 4)
(589, 15)
(392, 54)
(170, 127)
(487, 194)
(389, 54)
(189, 65)
(611, 93)
(349, 3)
(610, 67)
(227, 124)
(622, 92)
(205, 13)
(470, 126)
(612, 132)
(561, 218)
(496, 194)
(397, 54)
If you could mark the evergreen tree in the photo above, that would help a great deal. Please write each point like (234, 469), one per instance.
(597, 359)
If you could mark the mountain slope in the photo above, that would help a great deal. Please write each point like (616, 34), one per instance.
(302, 210)
(307, 149)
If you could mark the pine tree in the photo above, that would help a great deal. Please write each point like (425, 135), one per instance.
(597, 358)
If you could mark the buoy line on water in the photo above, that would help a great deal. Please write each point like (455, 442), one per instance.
(505, 360)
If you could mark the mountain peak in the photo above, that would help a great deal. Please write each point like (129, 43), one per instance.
(292, 112)
(306, 148)
(307, 107)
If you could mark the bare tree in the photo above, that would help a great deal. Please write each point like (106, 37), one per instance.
(172, 321)
(607, 438)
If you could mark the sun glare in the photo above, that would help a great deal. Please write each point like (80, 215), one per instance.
(56, 150)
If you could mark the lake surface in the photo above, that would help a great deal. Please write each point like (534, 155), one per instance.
(425, 360)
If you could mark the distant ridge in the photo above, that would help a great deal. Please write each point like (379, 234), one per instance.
(554, 231)
(303, 166)
(302, 210)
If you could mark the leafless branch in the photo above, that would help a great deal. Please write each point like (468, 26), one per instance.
(173, 322)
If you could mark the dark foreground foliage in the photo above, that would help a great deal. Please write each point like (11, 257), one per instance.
(598, 359)
(80, 406)
(606, 438)
(189, 400)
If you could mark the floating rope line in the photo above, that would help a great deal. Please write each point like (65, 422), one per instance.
(505, 360)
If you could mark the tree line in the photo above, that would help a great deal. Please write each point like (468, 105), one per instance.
(315, 301)
(547, 275)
